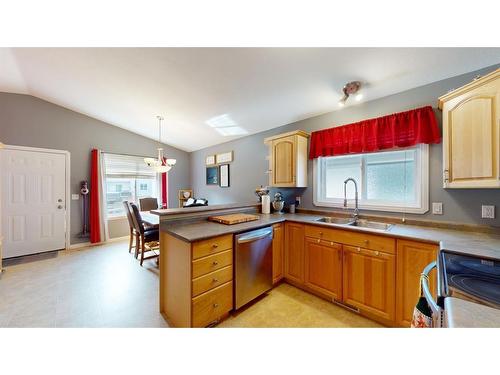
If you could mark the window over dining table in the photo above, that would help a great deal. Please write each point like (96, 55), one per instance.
(127, 178)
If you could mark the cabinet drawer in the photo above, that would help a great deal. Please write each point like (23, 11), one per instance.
(210, 306)
(365, 240)
(212, 280)
(212, 263)
(212, 246)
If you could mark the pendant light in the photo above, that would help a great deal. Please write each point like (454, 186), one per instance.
(160, 165)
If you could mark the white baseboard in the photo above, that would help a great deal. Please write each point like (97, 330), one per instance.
(88, 244)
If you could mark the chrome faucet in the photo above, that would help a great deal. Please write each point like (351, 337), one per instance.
(355, 214)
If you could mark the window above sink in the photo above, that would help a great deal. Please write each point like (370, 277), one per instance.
(395, 180)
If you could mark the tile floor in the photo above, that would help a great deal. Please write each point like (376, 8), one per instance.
(104, 286)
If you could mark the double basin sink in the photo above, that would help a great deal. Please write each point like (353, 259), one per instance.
(361, 223)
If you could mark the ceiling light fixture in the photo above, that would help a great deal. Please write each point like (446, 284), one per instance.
(349, 89)
(160, 165)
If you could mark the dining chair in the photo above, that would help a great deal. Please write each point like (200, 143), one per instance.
(131, 226)
(148, 204)
(148, 239)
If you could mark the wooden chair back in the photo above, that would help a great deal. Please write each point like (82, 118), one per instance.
(148, 204)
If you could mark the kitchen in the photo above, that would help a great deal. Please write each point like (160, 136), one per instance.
(379, 211)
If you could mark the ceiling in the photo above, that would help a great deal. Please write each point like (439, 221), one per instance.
(197, 88)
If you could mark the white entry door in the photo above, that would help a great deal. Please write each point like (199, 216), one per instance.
(33, 201)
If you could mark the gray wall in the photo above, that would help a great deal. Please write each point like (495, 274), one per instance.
(29, 121)
(249, 165)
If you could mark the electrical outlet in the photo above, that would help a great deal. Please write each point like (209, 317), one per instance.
(75, 197)
(297, 199)
(437, 208)
(487, 212)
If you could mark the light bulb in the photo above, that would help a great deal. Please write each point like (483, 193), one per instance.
(341, 103)
(171, 162)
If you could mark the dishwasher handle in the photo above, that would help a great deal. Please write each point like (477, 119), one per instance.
(255, 235)
(437, 311)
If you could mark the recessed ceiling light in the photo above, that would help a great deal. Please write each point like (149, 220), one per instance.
(358, 97)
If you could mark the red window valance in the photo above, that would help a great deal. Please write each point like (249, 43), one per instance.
(402, 129)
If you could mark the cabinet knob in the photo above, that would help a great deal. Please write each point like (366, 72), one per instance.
(331, 243)
(216, 305)
(366, 241)
(319, 240)
(215, 245)
(358, 249)
(215, 280)
(215, 263)
(377, 253)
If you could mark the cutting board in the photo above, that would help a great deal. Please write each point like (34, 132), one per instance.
(233, 218)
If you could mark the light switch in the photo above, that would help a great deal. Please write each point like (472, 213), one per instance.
(75, 197)
(487, 212)
(437, 208)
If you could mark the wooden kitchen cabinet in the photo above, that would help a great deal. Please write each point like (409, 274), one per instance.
(294, 252)
(471, 120)
(278, 251)
(412, 259)
(288, 159)
(369, 281)
(323, 267)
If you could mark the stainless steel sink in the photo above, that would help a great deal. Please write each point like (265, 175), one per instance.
(362, 223)
(336, 220)
(371, 225)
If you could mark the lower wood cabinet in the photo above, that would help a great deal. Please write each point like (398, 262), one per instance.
(278, 251)
(294, 252)
(323, 267)
(412, 258)
(369, 281)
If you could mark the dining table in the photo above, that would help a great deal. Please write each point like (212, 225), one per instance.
(150, 219)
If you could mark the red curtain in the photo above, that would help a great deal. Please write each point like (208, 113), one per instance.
(94, 219)
(164, 187)
(402, 129)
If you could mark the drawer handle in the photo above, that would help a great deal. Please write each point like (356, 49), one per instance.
(215, 263)
(215, 246)
(215, 280)
(216, 305)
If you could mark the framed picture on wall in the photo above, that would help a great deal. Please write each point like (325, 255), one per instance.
(224, 175)
(210, 160)
(226, 157)
(212, 176)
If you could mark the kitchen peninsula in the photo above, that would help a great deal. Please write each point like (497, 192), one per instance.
(373, 272)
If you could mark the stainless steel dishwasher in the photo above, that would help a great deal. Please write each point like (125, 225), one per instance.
(254, 265)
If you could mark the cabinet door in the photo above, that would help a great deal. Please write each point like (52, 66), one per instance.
(278, 247)
(283, 156)
(471, 138)
(323, 267)
(369, 281)
(412, 258)
(294, 252)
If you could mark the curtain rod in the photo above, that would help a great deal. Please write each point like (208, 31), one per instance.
(120, 153)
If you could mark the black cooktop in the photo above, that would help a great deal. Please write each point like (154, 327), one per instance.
(476, 279)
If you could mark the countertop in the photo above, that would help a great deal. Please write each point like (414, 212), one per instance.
(459, 313)
(190, 210)
(481, 244)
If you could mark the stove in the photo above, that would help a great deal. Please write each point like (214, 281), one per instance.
(471, 278)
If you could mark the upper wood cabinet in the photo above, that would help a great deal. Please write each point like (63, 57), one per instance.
(288, 159)
(294, 252)
(323, 267)
(370, 281)
(278, 251)
(412, 259)
(471, 121)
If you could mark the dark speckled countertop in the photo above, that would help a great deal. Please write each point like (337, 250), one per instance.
(481, 244)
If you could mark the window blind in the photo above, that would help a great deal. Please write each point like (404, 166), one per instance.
(126, 166)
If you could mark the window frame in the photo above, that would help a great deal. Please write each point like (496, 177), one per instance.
(422, 188)
(105, 176)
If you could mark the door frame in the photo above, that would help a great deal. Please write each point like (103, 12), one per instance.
(67, 172)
